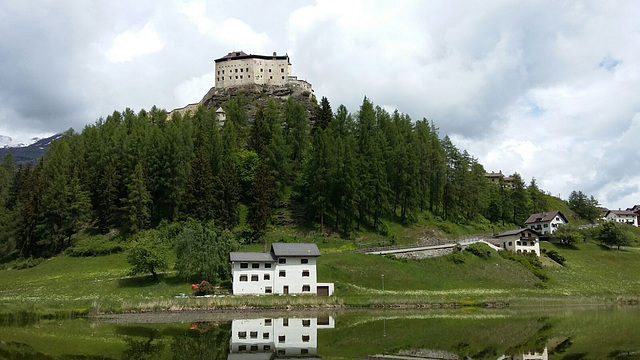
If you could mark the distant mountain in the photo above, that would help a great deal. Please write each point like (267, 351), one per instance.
(29, 153)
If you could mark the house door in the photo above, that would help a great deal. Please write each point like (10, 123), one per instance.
(323, 291)
(285, 289)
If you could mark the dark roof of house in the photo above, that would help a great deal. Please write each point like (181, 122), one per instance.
(516, 231)
(635, 208)
(239, 55)
(544, 216)
(295, 249)
(252, 256)
(621, 212)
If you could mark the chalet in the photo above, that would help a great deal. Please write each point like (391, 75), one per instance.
(622, 216)
(286, 269)
(521, 241)
(546, 223)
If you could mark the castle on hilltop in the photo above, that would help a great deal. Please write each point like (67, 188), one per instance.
(238, 69)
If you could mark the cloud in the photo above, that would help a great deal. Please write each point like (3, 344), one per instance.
(133, 43)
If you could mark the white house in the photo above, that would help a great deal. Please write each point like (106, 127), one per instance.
(283, 337)
(286, 269)
(520, 241)
(546, 223)
(622, 216)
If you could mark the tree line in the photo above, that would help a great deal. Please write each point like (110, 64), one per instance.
(132, 171)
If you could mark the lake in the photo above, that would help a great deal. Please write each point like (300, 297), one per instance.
(509, 333)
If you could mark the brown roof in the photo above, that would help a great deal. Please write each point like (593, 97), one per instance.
(621, 212)
(544, 216)
(516, 231)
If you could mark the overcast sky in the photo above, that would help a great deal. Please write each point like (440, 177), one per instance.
(548, 89)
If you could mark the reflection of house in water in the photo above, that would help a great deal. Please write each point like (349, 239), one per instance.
(528, 355)
(272, 338)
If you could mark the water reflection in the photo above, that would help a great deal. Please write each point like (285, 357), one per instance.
(268, 338)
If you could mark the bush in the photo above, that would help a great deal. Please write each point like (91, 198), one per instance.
(21, 264)
(148, 254)
(457, 257)
(480, 250)
(553, 255)
(94, 246)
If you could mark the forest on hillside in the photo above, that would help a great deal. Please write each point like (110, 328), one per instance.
(129, 172)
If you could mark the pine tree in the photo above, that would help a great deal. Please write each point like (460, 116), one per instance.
(296, 123)
(323, 114)
(228, 194)
(136, 204)
(317, 176)
(262, 200)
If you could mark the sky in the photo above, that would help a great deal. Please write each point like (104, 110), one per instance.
(548, 89)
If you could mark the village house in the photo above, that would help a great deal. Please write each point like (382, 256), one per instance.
(498, 178)
(286, 269)
(546, 223)
(622, 216)
(636, 210)
(520, 241)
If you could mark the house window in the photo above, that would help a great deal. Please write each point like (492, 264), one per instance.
(510, 243)
(244, 265)
(242, 334)
(254, 347)
(266, 347)
(282, 261)
(242, 348)
(546, 225)
(267, 277)
(305, 338)
(243, 277)
(267, 322)
(305, 273)
(304, 351)
(254, 277)
(285, 322)
(255, 265)
(265, 336)
(304, 261)
(267, 290)
(253, 334)
(282, 352)
(283, 273)
(281, 338)
(306, 322)
(267, 265)
(306, 288)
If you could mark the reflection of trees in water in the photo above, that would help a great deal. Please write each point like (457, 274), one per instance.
(204, 342)
(143, 349)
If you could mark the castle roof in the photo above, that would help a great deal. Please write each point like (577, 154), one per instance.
(240, 55)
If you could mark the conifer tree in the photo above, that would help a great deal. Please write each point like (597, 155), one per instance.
(317, 177)
(136, 204)
(262, 201)
(323, 114)
(296, 124)
(228, 194)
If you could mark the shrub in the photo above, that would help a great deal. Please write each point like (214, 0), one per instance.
(204, 288)
(94, 246)
(21, 264)
(148, 254)
(553, 255)
(529, 261)
(457, 257)
(480, 250)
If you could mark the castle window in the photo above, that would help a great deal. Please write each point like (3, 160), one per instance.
(236, 77)
(236, 70)
(240, 76)
(222, 72)
(229, 77)
(218, 72)
(248, 76)
(247, 69)
(283, 78)
(270, 77)
(269, 70)
(281, 69)
(261, 69)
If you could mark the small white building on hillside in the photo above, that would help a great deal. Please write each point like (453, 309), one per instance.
(520, 241)
(546, 223)
(286, 269)
(622, 216)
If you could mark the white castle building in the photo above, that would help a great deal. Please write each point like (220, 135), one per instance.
(238, 68)
(275, 338)
(286, 269)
